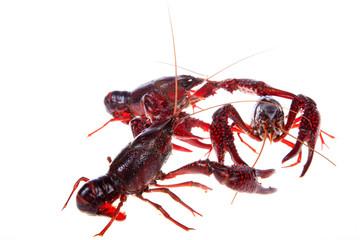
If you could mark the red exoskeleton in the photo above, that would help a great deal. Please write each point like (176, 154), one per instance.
(154, 101)
(138, 167)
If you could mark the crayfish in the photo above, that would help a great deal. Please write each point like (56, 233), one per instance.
(138, 167)
(154, 101)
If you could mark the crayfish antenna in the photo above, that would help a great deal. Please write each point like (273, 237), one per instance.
(262, 147)
(234, 198)
(84, 179)
(175, 61)
(240, 60)
(183, 68)
(111, 120)
(176, 112)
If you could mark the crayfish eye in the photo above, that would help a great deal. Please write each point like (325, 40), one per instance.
(188, 82)
(169, 131)
(260, 115)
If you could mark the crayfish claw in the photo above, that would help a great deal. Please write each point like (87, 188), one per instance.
(309, 129)
(269, 190)
(264, 173)
(308, 162)
(295, 151)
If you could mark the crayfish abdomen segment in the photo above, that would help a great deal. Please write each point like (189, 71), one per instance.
(117, 104)
(95, 197)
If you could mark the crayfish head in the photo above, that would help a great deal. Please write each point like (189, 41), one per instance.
(268, 118)
(117, 104)
(157, 137)
(185, 83)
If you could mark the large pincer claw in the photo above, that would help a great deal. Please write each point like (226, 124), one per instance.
(309, 131)
(242, 178)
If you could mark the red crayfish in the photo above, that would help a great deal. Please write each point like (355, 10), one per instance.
(138, 167)
(154, 101)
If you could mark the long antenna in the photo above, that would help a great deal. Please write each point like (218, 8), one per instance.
(184, 68)
(262, 148)
(173, 40)
(240, 60)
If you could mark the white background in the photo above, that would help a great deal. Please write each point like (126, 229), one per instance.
(58, 59)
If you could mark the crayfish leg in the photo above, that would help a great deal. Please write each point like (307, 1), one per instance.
(109, 210)
(74, 188)
(184, 184)
(166, 215)
(180, 148)
(174, 197)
